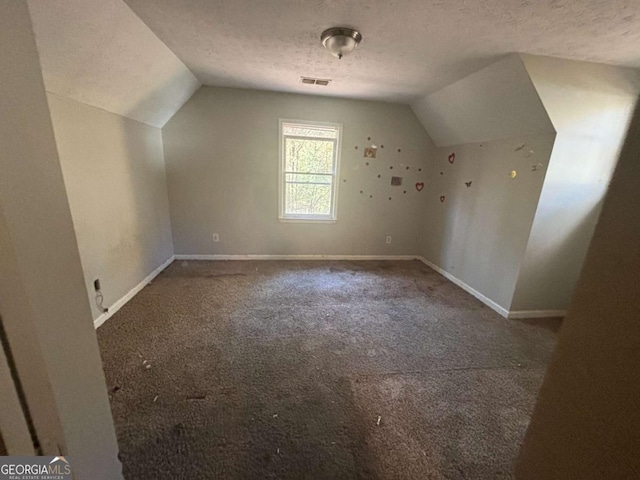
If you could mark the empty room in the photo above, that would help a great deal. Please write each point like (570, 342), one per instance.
(319, 240)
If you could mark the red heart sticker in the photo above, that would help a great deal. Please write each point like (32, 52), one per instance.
(452, 157)
(442, 197)
(419, 186)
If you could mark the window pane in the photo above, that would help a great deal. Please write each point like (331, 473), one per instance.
(308, 198)
(308, 156)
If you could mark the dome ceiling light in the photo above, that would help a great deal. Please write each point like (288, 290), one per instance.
(340, 40)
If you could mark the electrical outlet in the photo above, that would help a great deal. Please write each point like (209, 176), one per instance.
(388, 240)
(216, 237)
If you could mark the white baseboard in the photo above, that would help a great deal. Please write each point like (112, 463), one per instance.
(486, 300)
(519, 314)
(510, 314)
(297, 257)
(120, 303)
(515, 314)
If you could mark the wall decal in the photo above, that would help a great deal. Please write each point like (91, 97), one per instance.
(513, 174)
(370, 152)
(442, 198)
(452, 157)
(419, 186)
(468, 184)
(396, 181)
(520, 147)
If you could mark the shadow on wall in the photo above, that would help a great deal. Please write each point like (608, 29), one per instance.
(576, 183)
(521, 242)
(585, 424)
(559, 257)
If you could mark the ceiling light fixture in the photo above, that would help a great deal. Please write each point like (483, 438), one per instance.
(340, 40)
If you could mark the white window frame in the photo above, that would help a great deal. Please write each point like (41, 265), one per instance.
(307, 218)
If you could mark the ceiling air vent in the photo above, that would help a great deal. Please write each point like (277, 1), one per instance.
(315, 81)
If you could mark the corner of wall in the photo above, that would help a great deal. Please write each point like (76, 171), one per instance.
(455, 233)
(590, 106)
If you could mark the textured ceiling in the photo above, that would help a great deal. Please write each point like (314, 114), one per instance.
(410, 47)
(98, 52)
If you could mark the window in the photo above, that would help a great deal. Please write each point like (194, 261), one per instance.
(309, 162)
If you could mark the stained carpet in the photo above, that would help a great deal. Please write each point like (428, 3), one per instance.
(318, 370)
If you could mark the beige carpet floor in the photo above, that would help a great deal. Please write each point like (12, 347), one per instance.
(318, 370)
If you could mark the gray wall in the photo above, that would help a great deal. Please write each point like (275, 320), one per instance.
(586, 423)
(590, 106)
(494, 122)
(114, 173)
(221, 151)
(519, 243)
(479, 233)
(43, 304)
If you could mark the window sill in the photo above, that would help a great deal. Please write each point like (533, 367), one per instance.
(306, 220)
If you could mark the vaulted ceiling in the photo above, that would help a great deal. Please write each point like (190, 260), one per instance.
(98, 52)
(144, 58)
(410, 47)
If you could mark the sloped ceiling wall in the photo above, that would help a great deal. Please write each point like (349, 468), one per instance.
(495, 103)
(590, 106)
(478, 217)
(583, 97)
(98, 52)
